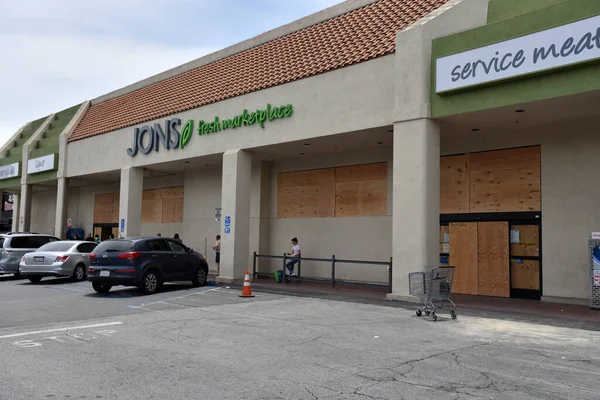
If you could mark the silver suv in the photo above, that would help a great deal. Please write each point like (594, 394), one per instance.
(14, 245)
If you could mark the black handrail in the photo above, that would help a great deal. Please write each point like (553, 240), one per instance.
(333, 260)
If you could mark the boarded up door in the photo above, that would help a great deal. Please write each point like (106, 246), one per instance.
(492, 242)
(463, 255)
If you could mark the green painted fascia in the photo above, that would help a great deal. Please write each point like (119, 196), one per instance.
(11, 184)
(49, 141)
(503, 9)
(543, 85)
(41, 177)
(15, 153)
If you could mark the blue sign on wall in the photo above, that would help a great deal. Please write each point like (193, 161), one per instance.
(122, 225)
(227, 229)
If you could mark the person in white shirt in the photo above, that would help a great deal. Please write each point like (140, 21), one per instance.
(294, 255)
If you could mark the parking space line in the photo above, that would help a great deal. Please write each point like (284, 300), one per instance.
(61, 329)
(162, 299)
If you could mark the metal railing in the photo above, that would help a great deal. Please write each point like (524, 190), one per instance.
(333, 261)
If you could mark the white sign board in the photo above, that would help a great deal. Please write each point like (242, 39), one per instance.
(557, 47)
(9, 171)
(41, 164)
(595, 235)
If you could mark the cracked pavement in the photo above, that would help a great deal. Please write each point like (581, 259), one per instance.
(214, 345)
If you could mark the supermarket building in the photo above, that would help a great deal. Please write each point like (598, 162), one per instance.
(456, 132)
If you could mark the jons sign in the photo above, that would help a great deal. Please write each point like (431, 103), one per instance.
(150, 138)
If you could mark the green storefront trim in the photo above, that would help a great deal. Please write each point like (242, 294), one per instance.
(503, 9)
(544, 85)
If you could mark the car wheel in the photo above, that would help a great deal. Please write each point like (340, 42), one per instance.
(35, 279)
(201, 277)
(78, 274)
(150, 283)
(101, 288)
(17, 275)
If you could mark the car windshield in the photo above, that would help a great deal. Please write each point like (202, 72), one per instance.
(111, 246)
(56, 246)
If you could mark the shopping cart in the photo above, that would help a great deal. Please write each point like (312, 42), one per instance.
(433, 287)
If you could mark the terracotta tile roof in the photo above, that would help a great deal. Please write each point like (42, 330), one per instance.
(357, 36)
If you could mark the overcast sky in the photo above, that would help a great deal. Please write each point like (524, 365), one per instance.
(58, 53)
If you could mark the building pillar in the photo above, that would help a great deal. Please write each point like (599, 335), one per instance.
(25, 208)
(260, 209)
(60, 222)
(16, 211)
(130, 202)
(416, 201)
(235, 214)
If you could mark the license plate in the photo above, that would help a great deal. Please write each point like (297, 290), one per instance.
(38, 259)
(104, 273)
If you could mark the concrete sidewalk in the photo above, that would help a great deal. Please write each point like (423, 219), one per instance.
(517, 309)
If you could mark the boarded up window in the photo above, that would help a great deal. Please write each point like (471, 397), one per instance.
(493, 181)
(454, 185)
(359, 190)
(158, 206)
(306, 194)
(106, 208)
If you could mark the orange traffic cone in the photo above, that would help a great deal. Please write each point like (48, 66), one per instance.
(247, 291)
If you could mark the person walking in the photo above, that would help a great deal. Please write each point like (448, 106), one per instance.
(294, 256)
(217, 249)
(177, 238)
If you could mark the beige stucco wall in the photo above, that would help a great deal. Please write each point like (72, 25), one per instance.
(570, 208)
(43, 210)
(359, 238)
(349, 99)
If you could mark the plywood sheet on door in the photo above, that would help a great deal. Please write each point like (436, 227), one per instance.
(115, 208)
(172, 209)
(306, 194)
(454, 184)
(361, 190)
(493, 254)
(529, 241)
(463, 256)
(525, 274)
(505, 180)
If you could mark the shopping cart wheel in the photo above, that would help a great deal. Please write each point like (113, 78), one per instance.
(419, 313)
(453, 314)
(433, 317)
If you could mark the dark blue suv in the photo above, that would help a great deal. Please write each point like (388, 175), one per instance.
(146, 263)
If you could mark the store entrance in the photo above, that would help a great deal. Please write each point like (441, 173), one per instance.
(105, 230)
(494, 255)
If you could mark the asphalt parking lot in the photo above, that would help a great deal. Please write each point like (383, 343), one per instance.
(61, 340)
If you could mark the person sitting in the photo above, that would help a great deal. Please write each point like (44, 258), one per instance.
(294, 255)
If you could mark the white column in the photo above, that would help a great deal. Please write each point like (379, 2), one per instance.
(416, 201)
(60, 222)
(260, 208)
(130, 202)
(25, 208)
(235, 203)
(16, 211)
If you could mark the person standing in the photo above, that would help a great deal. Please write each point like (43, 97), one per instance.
(177, 238)
(89, 238)
(217, 249)
(294, 256)
(158, 234)
(97, 239)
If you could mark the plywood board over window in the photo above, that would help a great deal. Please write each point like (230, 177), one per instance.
(506, 180)
(361, 190)
(105, 205)
(454, 184)
(172, 204)
(151, 206)
(306, 194)
(463, 256)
